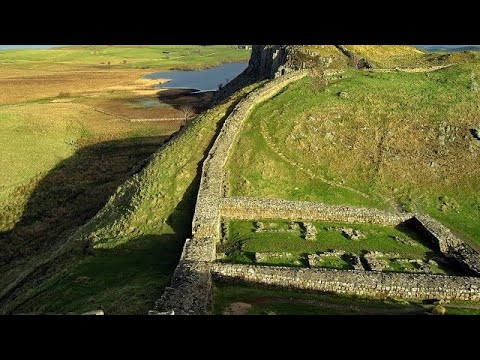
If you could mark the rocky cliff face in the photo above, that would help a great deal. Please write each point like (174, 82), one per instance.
(269, 61)
(266, 62)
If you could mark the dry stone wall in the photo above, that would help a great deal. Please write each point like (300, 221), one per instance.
(256, 209)
(448, 244)
(351, 282)
(191, 286)
(206, 221)
(439, 235)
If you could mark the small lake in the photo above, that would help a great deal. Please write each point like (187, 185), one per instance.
(201, 80)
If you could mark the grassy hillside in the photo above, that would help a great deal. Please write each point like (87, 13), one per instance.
(386, 140)
(383, 56)
(67, 145)
(339, 60)
(407, 56)
(134, 242)
(387, 55)
(55, 102)
(34, 138)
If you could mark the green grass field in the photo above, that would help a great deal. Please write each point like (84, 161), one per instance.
(37, 137)
(243, 242)
(377, 238)
(267, 301)
(391, 141)
(49, 102)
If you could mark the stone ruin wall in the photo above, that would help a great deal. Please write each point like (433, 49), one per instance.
(350, 282)
(439, 235)
(449, 245)
(257, 209)
(206, 221)
(191, 286)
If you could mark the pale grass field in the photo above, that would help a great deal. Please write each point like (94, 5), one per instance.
(49, 101)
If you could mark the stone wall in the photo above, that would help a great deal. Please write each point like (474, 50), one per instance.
(439, 235)
(206, 221)
(351, 282)
(449, 245)
(190, 290)
(191, 286)
(257, 209)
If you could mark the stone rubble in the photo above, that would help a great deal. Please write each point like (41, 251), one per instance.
(356, 262)
(352, 234)
(265, 256)
(315, 260)
(310, 231)
(376, 261)
(261, 227)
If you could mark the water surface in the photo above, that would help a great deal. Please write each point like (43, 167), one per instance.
(201, 80)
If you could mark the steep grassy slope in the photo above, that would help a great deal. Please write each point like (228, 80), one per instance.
(387, 140)
(36, 138)
(63, 139)
(135, 241)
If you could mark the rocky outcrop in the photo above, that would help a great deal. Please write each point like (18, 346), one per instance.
(270, 61)
(266, 62)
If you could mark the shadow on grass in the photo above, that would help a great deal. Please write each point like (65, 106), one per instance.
(126, 279)
(66, 198)
(123, 280)
(73, 192)
(178, 98)
(410, 229)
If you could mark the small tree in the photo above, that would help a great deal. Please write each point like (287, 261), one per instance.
(188, 111)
